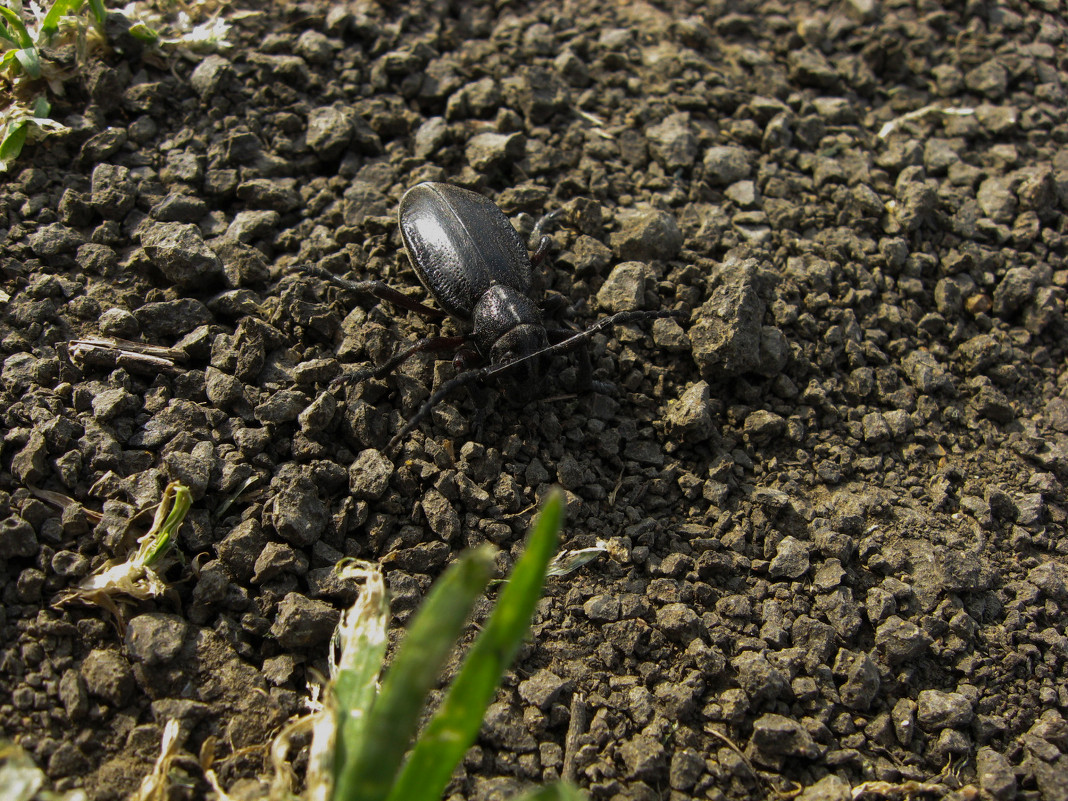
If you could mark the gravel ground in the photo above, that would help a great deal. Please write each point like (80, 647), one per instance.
(832, 494)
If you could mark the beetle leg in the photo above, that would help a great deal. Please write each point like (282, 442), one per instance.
(427, 345)
(542, 251)
(582, 337)
(378, 289)
(447, 388)
(388, 293)
(584, 369)
(539, 227)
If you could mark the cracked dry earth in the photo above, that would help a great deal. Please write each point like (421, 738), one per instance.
(833, 495)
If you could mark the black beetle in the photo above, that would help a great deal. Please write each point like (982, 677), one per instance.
(474, 263)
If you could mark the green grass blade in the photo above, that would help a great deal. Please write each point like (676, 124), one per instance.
(60, 8)
(99, 13)
(366, 769)
(457, 721)
(18, 27)
(362, 640)
(553, 792)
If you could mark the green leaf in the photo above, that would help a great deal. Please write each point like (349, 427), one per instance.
(100, 15)
(142, 32)
(41, 107)
(18, 27)
(457, 721)
(367, 767)
(553, 792)
(30, 61)
(60, 8)
(12, 144)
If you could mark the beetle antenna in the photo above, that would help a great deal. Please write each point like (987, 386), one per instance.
(447, 388)
(621, 318)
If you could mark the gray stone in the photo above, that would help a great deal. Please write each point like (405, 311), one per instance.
(319, 413)
(442, 518)
(223, 390)
(30, 463)
(55, 239)
(17, 538)
(996, 198)
(726, 165)
(283, 406)
(743, 193)
(926, 373)
(69, 564)
(108, 676)
(995, 774)
(178, 250)
(251, 225)
(193, 469)
(112, 403)
(727, 335)
(776, 737)
(430, 136)
(861, 685)
(762, 681)
(113, 191)
(644, 758)
(329, 131)
(670, 336)
(503, 728)
(314, 47)
(989, 78)
(602, 608)
(829, 788)
(73, 694)
(118, 323)
(239, 549)
(301, 622)
(903, 717)
(689, 418)
(685, 769)
(647, 235)
(1052, 579)
(672, 143)
(296, 511)
(156, 638)
(791, 559)
(369, 475)
(1015, 291)
(900, 640)
(213, 74)
(276, 194)
(937, 710)
(487, 151)
(624, 289)
(762, 427)
(278, 558)
(875, 427)
(678, 621)
(542, 689)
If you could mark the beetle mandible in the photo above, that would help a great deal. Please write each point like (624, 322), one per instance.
(473, 262)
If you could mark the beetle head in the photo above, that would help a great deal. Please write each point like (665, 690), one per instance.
(524, 380)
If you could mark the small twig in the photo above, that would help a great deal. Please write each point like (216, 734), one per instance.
(576, 727)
